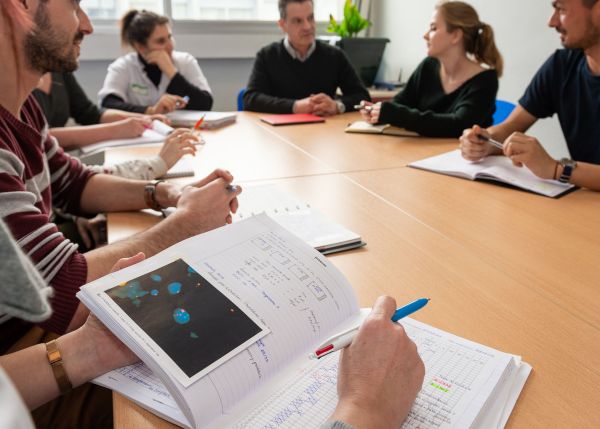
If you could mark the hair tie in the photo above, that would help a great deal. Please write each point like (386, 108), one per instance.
(480, 29)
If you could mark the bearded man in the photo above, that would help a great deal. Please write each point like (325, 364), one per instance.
(567, 84)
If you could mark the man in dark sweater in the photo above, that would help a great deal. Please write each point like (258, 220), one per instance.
(300, 74)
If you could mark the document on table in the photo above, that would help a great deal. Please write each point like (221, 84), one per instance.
(464, 383)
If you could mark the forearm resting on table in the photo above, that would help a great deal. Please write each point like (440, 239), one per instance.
(150, 242)
(108, 193)
(585, 175)
(76, 137)
(114, 115)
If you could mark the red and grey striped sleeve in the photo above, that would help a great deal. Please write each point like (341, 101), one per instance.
(30, 168)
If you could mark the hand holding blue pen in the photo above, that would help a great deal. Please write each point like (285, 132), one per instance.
(344, 339)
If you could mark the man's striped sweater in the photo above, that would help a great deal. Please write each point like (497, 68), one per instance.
(35, 176)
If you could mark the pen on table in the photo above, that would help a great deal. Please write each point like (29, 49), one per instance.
(344, 339)
(491, 141)
(363, 107)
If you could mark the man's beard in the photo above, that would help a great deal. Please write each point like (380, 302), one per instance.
(49, 50)
(590, 38)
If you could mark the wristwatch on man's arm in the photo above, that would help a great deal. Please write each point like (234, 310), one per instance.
(568, 165)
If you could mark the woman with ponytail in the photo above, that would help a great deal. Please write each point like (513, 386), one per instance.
(154, 79)
(456, 85)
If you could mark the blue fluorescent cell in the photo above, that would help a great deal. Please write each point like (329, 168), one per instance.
(154, 292)
(174, 288)
(181, 316)
(156, 277)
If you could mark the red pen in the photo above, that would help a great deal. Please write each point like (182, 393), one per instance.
(199, 123)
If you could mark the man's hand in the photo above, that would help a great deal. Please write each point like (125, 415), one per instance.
(180, 142)
(380, 373)
(164, 62)
(207, 204)
(166, 104)
(304, 105)
(324, 105)
(130, 127)
(524, 150)
(472, 147)
(109, 349)
(92, 231)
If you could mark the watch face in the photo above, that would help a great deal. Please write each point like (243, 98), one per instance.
(568, 166)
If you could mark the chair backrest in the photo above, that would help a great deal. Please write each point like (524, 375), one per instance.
(240, 99)
(503, 109)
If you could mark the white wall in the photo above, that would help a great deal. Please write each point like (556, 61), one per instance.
(522, 35)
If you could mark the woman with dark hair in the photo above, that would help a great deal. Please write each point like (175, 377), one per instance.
(455, 86)
(155, 79)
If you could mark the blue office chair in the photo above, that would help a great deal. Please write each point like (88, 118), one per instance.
(503, 109)
(240, 99)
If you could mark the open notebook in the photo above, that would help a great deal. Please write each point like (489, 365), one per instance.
(492, 168)
(188, 118)
(156, 134)
(177, 310)
(300, 218)
(296, 216)
(366, 128)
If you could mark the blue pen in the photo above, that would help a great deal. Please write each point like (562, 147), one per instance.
(186, 100)
(344, 339)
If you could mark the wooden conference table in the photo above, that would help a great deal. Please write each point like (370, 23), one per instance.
(505, 268)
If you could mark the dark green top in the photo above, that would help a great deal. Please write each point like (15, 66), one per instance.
(425, 108)
(67, 100)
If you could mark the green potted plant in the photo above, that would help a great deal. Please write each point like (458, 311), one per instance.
(366, 53)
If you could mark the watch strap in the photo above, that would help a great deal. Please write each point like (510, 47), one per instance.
(56, 363)
(150, 195)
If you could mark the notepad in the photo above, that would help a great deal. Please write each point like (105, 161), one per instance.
(297, 298)
(188, 118)
(182, 168)
(156, 134)
(292, 119)
(495, 169)
(300, 218)
(367, 128)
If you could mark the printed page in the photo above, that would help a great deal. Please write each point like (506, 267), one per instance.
(138, 383)
(460, 376)
(284, 284)
(298, 217)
